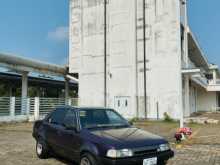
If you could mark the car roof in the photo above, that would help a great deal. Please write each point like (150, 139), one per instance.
(83, 108)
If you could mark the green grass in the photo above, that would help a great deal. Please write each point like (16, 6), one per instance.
(161, 123)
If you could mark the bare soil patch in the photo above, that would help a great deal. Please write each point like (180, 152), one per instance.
(18, 147)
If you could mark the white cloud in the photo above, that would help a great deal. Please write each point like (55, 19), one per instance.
(59, 34)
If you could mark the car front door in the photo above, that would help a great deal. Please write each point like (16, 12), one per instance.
(70, 137)
(54, 125)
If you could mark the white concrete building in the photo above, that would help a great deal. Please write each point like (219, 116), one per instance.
(176, 80)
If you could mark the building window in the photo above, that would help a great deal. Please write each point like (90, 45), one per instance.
(76, 3)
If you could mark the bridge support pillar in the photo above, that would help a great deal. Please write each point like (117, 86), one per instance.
(67, 90)
(24, 93)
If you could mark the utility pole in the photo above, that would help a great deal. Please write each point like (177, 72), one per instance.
(105, 53)
(144, 47)
(186, 65)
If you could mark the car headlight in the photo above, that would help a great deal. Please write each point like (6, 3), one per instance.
(164, 147)
(112, 153)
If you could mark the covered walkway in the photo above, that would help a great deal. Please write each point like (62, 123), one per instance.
(24, 67)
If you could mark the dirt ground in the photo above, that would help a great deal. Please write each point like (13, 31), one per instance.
(18, 147)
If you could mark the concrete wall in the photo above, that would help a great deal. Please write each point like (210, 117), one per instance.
(206, 101)
(87, 49)
(164, 56)
(122, 60)
(125, 55)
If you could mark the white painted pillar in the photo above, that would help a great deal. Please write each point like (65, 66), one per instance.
(10, 91)
(186, 62)
(214, 76)
(36, 108)
(69, 101)
(24, 93)
(186, 88)
(196, 94)
(67, 91)
(12, 108)
(28, 106)
(181, 101)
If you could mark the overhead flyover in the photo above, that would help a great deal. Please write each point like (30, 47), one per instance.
(25, 66)
(196, 53)
(21, 64)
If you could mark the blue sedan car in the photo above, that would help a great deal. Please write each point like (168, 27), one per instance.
(97, 136)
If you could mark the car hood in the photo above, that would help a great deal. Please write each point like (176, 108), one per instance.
(128, 137)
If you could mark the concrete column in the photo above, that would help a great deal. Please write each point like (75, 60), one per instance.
(69, 101)
(28, 107)
(67, 91)
(24, 92)
(10, 90)
(12, 108)
(186, 65)
(196, 94)
(186, 55)
(186, 88)
(214, 76)
(38, 91)
(36, 108)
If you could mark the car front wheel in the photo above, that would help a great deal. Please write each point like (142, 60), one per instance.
(88, 159)
(42, 149)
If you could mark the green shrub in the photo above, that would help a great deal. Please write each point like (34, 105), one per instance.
(133, 120)
(167, 118)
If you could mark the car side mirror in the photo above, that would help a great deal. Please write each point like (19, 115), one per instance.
(70, 127)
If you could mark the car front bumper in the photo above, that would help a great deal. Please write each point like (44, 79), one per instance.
(161, 158)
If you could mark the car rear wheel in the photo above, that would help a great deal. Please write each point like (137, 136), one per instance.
(88, 159)
(163, 163)
(42, 149)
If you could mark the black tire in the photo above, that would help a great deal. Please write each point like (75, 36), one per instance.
(88, 159)
(163, 163)
(42, 149)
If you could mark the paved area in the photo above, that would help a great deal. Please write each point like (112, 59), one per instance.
(197, 155)
(18, 147)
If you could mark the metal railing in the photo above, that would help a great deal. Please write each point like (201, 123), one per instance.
(213, 82)
(18, 109)
(4, 106)
(48, 104)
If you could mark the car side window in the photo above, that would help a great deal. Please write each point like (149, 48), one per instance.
(113, 117)
(70, 118)
(57, 117)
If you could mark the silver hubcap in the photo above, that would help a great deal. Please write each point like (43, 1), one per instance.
(84, 161)
(39, 148)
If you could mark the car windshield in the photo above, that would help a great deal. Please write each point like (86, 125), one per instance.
(100, 118)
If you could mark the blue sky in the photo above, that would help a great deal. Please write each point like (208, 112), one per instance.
(39, 28)
(35, 28)
(204, 19)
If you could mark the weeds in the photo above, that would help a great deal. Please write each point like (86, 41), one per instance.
(167, 118)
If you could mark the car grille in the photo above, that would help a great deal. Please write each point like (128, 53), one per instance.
(145, 151)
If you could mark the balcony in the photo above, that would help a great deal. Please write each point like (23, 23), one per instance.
(214, 86)
(200, 80)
